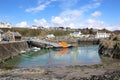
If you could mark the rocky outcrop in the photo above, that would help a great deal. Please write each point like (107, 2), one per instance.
(110, 48)
(10, 49)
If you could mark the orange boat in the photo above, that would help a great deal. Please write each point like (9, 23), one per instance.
(64, 44)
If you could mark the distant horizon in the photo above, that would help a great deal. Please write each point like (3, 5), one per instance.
(59, 27)
(96, 14)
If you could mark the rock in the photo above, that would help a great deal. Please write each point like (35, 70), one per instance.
(115, 75)
(110, 48)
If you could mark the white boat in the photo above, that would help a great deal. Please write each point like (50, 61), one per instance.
(22, 51)
(36, 49)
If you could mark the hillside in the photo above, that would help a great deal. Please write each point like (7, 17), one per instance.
(26, 32)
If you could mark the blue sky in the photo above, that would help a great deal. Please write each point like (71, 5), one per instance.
(73, 13)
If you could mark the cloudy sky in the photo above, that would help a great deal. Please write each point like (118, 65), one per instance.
(73, 13)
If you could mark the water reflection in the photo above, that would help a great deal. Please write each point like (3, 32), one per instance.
(64, 51)
(77, 51)
(83, 55)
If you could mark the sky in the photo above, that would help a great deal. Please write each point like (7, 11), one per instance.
(96, 14)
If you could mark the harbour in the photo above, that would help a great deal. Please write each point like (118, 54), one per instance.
(59, 40)
(81, 55)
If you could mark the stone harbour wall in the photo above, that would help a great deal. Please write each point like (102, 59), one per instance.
(11, 49)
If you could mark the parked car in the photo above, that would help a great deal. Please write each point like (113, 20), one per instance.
(5, 39)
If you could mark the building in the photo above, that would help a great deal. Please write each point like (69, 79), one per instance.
(34, 27)
(1, 32)
(12, 36)
(5, 25)
(76, 34)
(102, 35)
(50, 36)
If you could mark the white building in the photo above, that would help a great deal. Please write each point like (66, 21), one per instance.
(102, 35)
(76, 34)
(34, 27)
(5, 25)
(50, 36)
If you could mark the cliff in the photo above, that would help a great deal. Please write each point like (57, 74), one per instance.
(10, 49)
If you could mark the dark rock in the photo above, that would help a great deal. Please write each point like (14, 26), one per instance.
(115, 75)
(110, 49)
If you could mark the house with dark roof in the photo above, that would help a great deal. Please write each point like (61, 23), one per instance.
(12, 36)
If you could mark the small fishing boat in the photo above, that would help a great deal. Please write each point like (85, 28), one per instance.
(63, 45)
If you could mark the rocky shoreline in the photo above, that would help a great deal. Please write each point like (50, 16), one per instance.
(110, 47)
(105, 71)
(113, 52)
(109, 69)
(27, 74)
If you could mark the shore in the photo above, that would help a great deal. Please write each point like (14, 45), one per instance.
(108, 70)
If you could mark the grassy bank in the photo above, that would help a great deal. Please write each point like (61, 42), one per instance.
(26, 32)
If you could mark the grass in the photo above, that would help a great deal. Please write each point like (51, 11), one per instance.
(26, 32)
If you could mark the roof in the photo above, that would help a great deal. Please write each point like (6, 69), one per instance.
(16, 34)
(13, 33)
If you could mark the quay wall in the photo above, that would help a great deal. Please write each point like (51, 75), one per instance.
(11, 49)
(37, 44)
(94, 42)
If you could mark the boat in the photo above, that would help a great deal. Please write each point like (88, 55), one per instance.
(63, 45)
(36, 49)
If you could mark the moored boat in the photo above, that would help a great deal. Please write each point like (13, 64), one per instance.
(63, 45)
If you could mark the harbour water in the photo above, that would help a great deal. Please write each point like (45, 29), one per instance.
(82, 55)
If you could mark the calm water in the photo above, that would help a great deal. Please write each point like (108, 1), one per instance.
(83, 55)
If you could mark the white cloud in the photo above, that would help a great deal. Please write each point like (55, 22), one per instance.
(66, 4)
(72, 25)
(97, 24)
(73, 17)
(57, 20)
(92, 23)
(22, 24)
(66, 17)
(40, 1)
(42, 4)
(40, 22)
(71, 14)
(114, 27)
(40, 7)
(96, 14)
(90, 6)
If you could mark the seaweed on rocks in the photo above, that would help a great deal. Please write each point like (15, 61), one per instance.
(110, 49)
